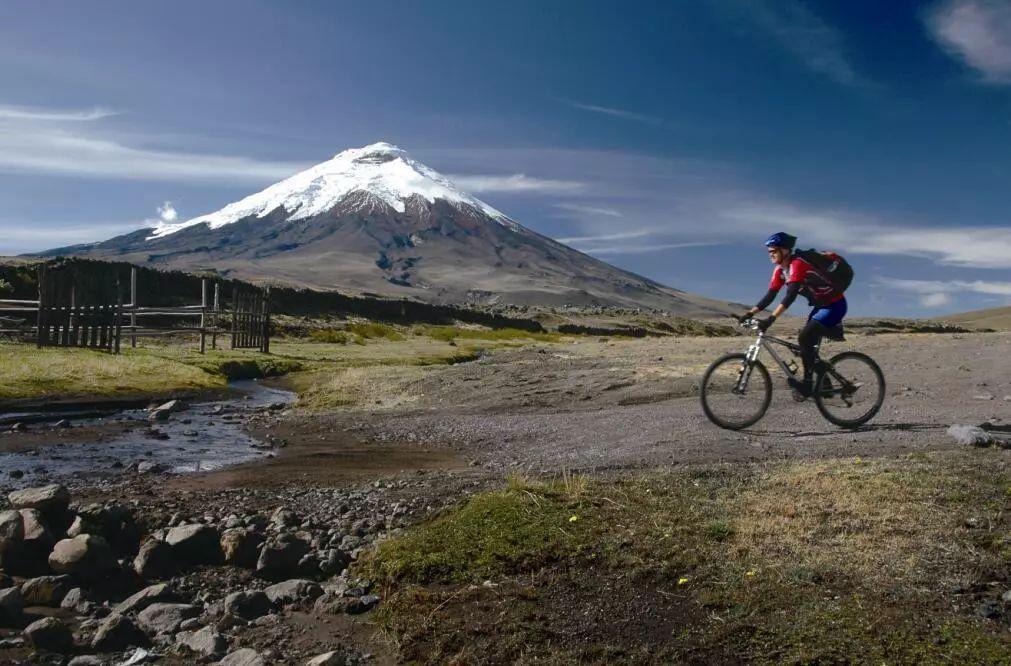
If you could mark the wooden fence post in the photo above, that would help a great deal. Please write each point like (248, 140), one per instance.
(133, 306)
(217, 306)
(265, 347)
(40, 324)
(203, 315)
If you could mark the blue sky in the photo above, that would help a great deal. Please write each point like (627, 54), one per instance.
(669, 138)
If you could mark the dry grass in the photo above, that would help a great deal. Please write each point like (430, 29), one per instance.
(369, 387)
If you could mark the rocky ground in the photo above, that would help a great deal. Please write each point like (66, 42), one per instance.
(250, 564)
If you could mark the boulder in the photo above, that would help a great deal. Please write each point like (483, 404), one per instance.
(162, 618)
(38, 539)
(334, 658)
(362, 604)
(15, 557)
(11, 607)
(206, 642)
(46, 590)
(52, 500)
(156, 560)
(73, 599)
(49, 635)
(86, 660)
(333, 562)
(282, 519)
(242, 657)
(153, 594)
(195, 544)
(240, 547)
(112, 522)
(162, 412)
(118, 632)
(86, 556)
(247, 604)
(279, 557)
(293, 591)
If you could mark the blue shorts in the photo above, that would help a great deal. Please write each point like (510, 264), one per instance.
(829, 315)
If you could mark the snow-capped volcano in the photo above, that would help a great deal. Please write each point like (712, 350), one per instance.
(373, 220)
(380, 172)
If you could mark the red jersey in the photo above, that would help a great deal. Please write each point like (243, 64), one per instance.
(813, 285)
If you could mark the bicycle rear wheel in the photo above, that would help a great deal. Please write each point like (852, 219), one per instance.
(850, 390)
(734, 393)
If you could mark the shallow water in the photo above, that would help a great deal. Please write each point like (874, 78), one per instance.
(198, 439)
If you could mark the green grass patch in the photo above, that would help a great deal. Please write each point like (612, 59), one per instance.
(453, 333)
(334, 336)
(371, 330)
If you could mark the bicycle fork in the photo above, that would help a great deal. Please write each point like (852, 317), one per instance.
(749, 359)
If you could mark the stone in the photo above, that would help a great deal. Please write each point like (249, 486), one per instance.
(73, 598)
(293, 591)
(162, 618)
(112, 522)
(206, 642)
(118, 632)
(362, 604)
(52, 500)
(195, 544)
(86, 660)
(247, 604)
(35, 530)
(135, 603)
(86, 556)
(162, 412)
(989, 610)
(49, 635)
(283, 518)
(46, 590)
(241, 548)
(15, 557)
(156, 560)
(279, 557)
(1006, 597)
(242, 657)
(11, 607)
(333, 658)
(333, 562)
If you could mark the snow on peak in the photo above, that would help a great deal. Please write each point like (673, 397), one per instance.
(380, 169)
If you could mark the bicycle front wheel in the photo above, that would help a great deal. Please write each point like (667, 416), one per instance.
(850, 390)
(735, 394)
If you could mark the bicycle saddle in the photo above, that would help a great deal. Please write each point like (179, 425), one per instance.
(835, 333)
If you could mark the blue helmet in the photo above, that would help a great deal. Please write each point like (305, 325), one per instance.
(781, 239)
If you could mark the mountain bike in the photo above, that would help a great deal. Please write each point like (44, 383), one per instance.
(736, 391)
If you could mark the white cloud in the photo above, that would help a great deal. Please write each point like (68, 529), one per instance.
(57, 142)
(931, 287)
(624, 114)
(513, 183)
(167, 212)
(19, 237)
(644, 249)
(814, 42)
(589, 210)
(970, 247)
(978, 32)
(935, 300)
(638, 233)
(8, 112)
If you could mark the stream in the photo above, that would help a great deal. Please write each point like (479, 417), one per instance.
(204, 437)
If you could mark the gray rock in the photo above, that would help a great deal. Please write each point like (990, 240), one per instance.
(156, 560)
(85, 660)
(243, 657)
(162, 618)
(988, 609)
(241, 548)
(73, 598)
(1006, 597)
(191, 624)
(49, 635)
(46, 590)
(11, 607)
(334, 658)
(162, 412)
(283, 518)
(112, 522)
(280, 556)
(118, 632)
(15, 557)
(86, 556)
(362, 604)
(293, 591)
(247, 604)
(52, 500)
(35, 530)
(12, 526)
(152, 467)
(333, 562)
(153, 594)
(206, 642)
(195, 544)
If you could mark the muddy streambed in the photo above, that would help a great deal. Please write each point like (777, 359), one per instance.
(204, 437)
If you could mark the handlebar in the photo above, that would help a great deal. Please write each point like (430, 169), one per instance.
(750, 323)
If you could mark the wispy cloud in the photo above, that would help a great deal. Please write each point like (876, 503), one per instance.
(818, 45)
(645, 248)
(970, 247)
(513, 183)
(55, 115)
(589, 210)
(638, 233)
(167, 212)
(58, 142)
(938, 293)
(624, 114)
(978, 32)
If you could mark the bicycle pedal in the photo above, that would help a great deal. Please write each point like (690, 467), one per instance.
(797, 397)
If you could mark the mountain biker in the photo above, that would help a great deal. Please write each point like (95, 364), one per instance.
(800, 278)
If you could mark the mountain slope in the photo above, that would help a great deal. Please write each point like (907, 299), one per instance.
(374, 220)
(995, 318)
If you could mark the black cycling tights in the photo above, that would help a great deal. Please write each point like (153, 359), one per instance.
(809, 338)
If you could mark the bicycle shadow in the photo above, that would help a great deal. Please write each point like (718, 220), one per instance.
(873, 427)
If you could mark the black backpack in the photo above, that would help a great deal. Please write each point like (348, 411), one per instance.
(832, 266)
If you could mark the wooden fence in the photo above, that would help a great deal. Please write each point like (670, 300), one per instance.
(69, 314)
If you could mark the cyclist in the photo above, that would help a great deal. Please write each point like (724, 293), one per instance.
(800, 278)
